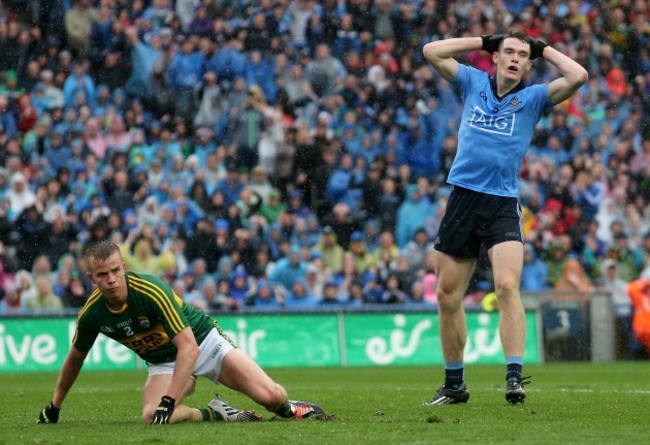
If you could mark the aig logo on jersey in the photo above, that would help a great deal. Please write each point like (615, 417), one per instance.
(502, 124)
(144, 322)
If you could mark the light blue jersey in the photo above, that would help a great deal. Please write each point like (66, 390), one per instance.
(494, 133)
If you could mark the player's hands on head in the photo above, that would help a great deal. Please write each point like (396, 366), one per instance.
(49, 414)
(164, 411)
(537, 48)
(491, 42)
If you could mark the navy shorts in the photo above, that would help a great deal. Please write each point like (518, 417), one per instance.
(473, 218)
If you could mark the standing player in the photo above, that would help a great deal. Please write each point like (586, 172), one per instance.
(497, 124)
(178, 342)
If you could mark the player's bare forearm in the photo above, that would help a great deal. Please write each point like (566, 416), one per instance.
(188, 354)
(440, 53)
(573, 75)
(68, 375)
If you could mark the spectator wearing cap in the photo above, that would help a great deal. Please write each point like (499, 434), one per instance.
(296, 206)
(362, 258)
(335, 298)
(241, 286)
(10, 87)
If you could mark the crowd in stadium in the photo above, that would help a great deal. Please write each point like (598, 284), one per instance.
(293, 153)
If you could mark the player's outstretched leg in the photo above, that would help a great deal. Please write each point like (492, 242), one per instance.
(222, 409)
(515, 389)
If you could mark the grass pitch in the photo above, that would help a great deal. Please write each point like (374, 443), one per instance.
(576, 403)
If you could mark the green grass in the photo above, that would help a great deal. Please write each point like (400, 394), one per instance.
(576, 403)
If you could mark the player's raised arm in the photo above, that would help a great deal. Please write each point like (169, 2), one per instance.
(573, 75)
(69, 372)
(440, 53)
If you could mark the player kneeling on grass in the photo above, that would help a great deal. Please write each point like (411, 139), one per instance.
(178, 342)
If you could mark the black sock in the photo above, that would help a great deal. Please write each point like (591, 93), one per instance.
(513, 370)
(454, 377)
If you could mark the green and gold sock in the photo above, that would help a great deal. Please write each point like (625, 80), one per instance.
(210, 415)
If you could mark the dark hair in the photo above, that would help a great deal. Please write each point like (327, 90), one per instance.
(516, 35)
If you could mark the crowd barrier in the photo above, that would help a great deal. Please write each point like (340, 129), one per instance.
(569, 327)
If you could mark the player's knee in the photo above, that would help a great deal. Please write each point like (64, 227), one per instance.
(506, 289)
(448, 301)
(147, 414)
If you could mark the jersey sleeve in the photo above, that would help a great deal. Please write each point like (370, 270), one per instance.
(85, 333)
(463, 79)
(162, 302)
(539, 96)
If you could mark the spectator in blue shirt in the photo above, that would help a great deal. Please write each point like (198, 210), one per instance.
(289, 269)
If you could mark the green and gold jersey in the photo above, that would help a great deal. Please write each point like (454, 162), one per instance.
(152, 315)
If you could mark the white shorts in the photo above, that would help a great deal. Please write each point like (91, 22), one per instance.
(212, 352)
